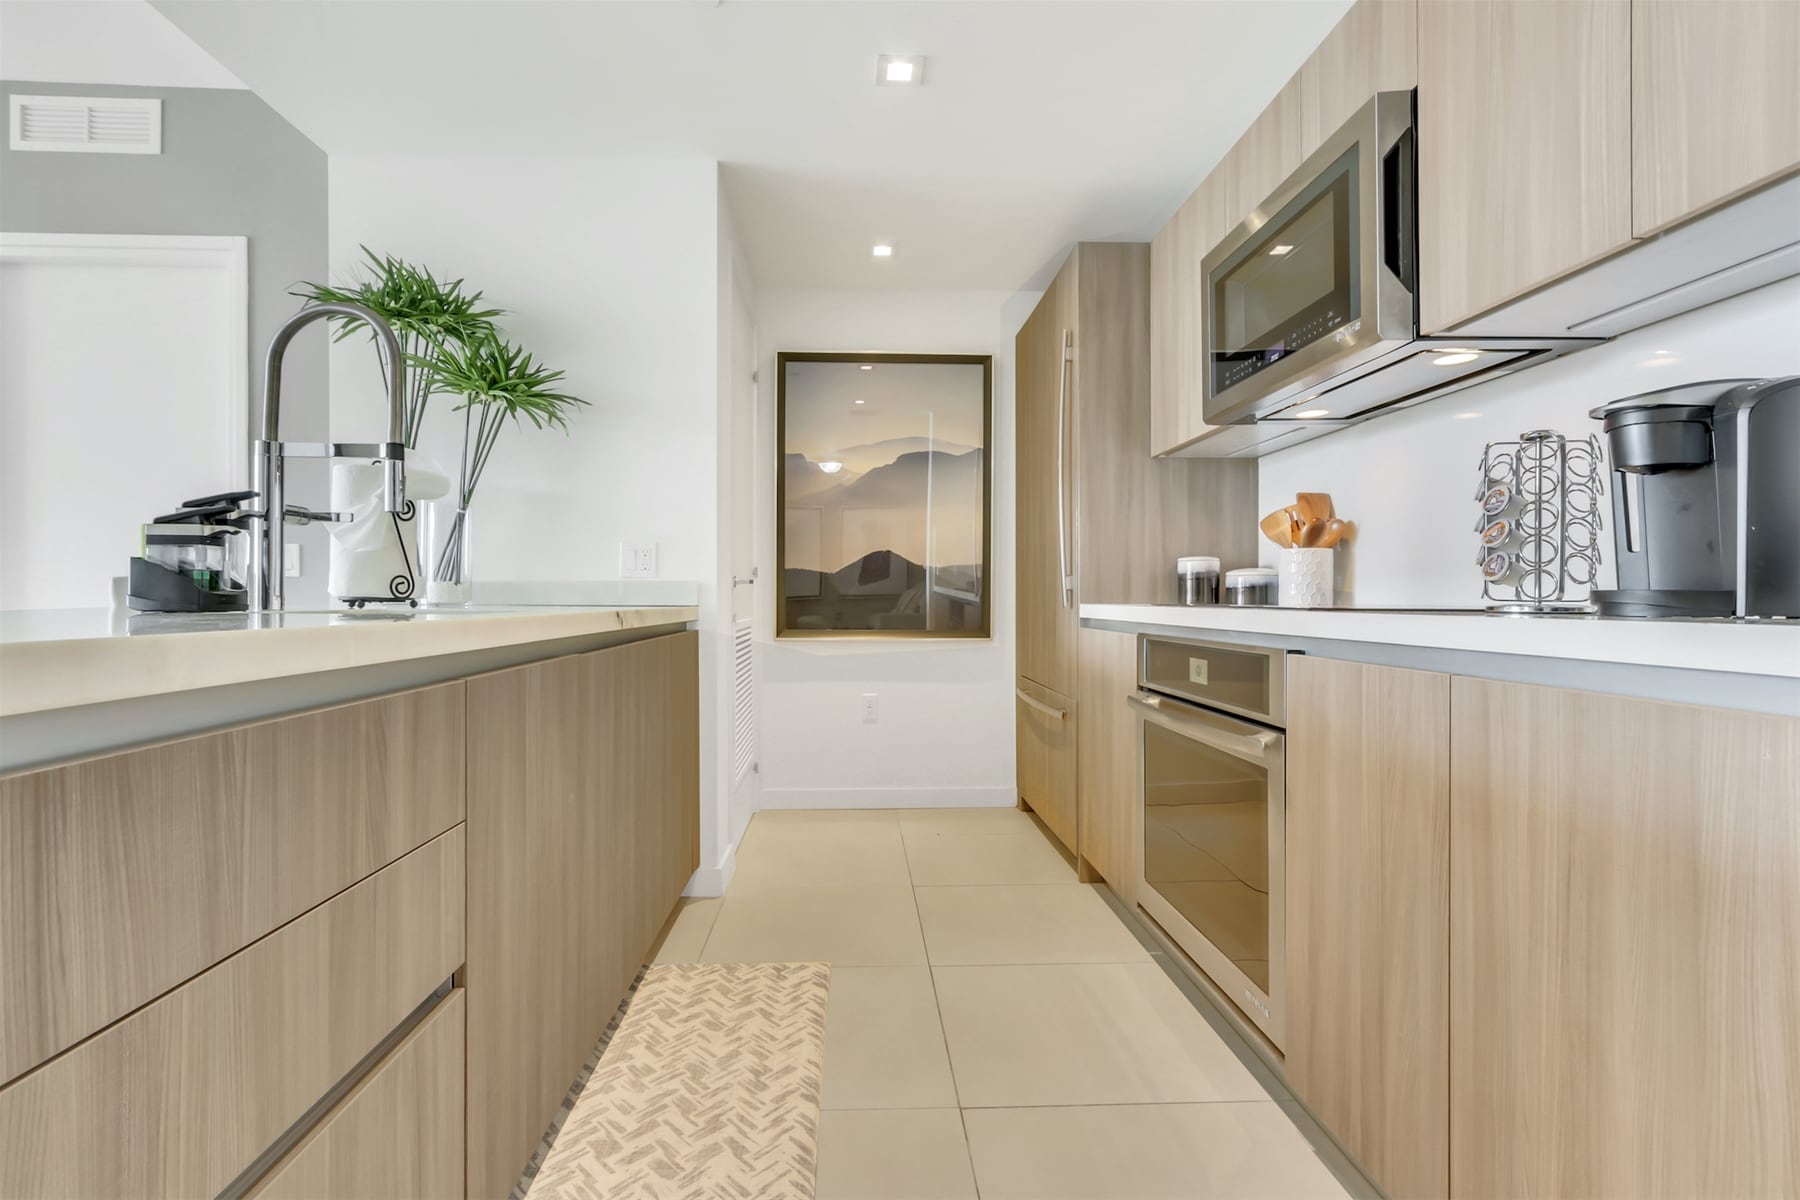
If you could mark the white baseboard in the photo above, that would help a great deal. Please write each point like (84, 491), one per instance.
(712, 881)
(998, 796)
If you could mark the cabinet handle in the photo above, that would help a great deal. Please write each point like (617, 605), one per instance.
(1066, 579)
(1034, 702)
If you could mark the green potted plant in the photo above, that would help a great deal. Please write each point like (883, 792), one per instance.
(424, 311)
(498, 384)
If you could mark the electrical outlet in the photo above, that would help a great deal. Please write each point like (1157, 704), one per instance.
(637, 560)
(290, 565)
(871, 708)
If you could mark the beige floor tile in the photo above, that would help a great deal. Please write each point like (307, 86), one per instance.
(976, 853)
(844, 926)
(1096, 1033)
(814, 853)
(687, 934)
(1145, 1152)
(884, 1047)
(993, 820)
(1023, 924)
(915, 1154)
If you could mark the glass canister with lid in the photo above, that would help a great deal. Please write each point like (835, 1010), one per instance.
(1196, 580)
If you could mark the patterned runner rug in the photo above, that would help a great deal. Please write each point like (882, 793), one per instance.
(709, 1088)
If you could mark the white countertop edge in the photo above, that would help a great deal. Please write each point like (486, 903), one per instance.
(68, 672)
(1755, 648)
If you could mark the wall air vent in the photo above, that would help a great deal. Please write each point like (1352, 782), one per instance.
(86, 124)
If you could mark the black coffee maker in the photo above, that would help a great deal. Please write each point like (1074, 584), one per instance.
(1706, 500)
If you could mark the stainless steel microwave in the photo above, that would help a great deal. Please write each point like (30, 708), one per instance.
(1311, 304)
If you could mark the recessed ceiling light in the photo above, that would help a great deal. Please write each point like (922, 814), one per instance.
(867, 367)
(830, 467)
(1311, 413)
(1278, 251)
(1454, 358)
(862, 401)
(899, 69)
(1468, 416)
(882, 250)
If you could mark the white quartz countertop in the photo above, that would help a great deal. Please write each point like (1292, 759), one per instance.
(61, 658)
(1770, 648)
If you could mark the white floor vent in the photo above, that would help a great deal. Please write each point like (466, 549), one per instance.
(743, 699)
(86, 124)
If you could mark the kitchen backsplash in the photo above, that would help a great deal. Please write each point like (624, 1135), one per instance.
(1408, 480)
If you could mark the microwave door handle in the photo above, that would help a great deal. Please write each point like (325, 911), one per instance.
(1207, 729)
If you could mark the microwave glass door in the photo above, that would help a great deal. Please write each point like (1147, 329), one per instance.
(1206, 844)
(1294, 282)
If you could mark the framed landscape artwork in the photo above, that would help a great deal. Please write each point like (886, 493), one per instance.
(883, 495)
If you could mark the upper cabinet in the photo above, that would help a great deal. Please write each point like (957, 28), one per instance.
(1524, 117)
(1176, 303)
(1715, 103)
(1374, 48)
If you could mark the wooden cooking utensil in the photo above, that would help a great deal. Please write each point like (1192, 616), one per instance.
(1314, 506)
(1279, 529)
(1334, 532)
(1296, 526)
(1313, 534)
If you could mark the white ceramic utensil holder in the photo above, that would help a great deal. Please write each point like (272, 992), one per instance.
(1305, 577)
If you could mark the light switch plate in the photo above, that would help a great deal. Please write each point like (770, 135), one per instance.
(290, 564)
(637, 560)
(871, 708)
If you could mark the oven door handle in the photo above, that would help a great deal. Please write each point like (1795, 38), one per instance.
(1220, 733)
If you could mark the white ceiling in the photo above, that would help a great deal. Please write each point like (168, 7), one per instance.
(1041, 122)
(101, 41)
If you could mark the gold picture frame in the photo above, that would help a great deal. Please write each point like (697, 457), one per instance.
(898, 587)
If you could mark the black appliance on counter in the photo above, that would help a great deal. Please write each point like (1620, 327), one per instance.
(189, 559)
(1706, 500)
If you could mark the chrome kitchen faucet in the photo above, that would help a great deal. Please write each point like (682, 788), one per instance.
(268, 455)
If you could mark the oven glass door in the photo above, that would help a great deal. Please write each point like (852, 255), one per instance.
(1294, 282)
(1214, 832)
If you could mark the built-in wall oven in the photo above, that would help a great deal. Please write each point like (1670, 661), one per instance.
(1211, 756)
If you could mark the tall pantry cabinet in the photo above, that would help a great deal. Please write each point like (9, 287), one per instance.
(1099, 521)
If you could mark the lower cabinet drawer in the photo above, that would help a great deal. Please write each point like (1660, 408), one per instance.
(398, 1135)
(183, 1095)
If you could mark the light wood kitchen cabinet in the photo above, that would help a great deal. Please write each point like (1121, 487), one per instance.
(125, 874)
(583, 830)
(398, 1134)
(1046, 756)
(1109, 809)
(1044, 524)
(1368, 850)
(1091, 502)
(1624, 947)
(181, 1097)
(1715, 103)
(1178, 310)
(1524, 120)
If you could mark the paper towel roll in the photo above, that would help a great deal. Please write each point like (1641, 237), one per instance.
(375, 556)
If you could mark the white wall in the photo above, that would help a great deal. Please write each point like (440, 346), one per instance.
(611, 270)
(945, 735)
(1408, 480)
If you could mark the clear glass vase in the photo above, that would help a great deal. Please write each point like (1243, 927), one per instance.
(447, 561)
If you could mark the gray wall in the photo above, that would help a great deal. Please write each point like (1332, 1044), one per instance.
(230, 166)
